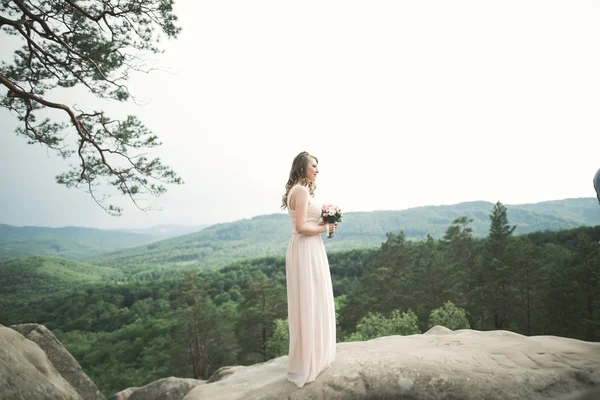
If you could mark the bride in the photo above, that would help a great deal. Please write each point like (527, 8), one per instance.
(311, 309)
(597, 184)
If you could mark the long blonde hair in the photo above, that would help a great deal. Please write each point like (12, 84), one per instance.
(298, 172)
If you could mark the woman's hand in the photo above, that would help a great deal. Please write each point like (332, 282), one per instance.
(332, 226)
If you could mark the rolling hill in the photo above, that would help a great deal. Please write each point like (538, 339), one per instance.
(69, 242)
(221, 244)
(37, 276)
(166, 231)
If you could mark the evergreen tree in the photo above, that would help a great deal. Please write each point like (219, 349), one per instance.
(390, 276)
(460, 259)
(204, 335)
(499, 273)
(524, 256)
(431, 277)
(380, 289)
(586, 262)
(263, 303)
(559, 312)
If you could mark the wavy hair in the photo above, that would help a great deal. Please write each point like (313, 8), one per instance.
(297, 173)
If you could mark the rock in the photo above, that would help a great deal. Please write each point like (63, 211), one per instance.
(62, 360)
(440, 364)
(222, 373)
(590, 394)
(26, 373)
(163, 389)
(439, 330)
(123, 394)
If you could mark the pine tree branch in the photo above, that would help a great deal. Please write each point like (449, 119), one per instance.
(67, 43)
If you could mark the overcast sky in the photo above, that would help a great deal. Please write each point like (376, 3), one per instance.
(404, 103)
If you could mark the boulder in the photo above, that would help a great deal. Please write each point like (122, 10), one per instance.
(123, 394)
(162, 389)
(590, 394)
(26, 373)
(62, 360)
(439, 364)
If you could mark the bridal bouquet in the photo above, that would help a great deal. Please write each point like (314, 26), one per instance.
(331, 214)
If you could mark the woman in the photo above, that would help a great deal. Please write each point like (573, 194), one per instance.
(311, 311)
(597, 185)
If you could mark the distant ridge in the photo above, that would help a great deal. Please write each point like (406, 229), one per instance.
(166, 231)
(265, 235)
(68, 242)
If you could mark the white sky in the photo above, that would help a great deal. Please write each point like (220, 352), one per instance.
(404, 103)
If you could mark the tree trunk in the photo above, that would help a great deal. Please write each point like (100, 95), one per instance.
(528, 326)
(590, 308)
(205, 358)
(504, 307)
(197, 350)
(523, 310)
(481, 310)
(264, 330)
(204, 350)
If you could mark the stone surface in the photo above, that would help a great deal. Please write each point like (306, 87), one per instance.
(440, 364)
(62, 360)
(163, 389)
(123, 394)
(590, 394)
(26, 373)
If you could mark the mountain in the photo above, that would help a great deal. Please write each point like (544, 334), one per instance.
(68, 242)
(584, 210)
(221, 244)
(166, 231)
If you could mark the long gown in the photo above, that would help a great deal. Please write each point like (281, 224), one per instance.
(597, 184)
(311, 309)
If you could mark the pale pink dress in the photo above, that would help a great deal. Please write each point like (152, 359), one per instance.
(311, 310)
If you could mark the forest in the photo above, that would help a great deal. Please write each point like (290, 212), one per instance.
(130, 333)
(132, 308)
(222, 244)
